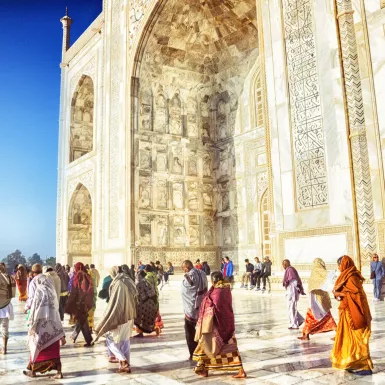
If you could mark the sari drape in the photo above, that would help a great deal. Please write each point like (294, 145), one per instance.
(351, 345)
(22, 283)
(217, 347)
(44, 327)
(147, 307)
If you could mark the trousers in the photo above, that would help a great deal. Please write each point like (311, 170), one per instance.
(85, 329)
(189, 328)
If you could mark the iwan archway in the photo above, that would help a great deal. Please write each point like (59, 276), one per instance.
(197, 142)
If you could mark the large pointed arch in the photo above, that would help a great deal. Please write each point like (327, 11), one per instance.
(82, 119)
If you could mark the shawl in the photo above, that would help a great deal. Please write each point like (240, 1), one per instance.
(44, 325)
(145, 289)
(122, 306)
(64, 278)
(128, 271)
(152, 279)
(81, 299)
(291, 274)
(216, 319)
(350, 282)
(95, 277)
(6, 285)
(318, 279)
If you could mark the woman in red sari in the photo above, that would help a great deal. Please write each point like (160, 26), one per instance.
(217, 347)
(21, 282)
(80, 302)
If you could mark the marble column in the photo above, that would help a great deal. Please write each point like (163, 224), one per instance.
(357, 131)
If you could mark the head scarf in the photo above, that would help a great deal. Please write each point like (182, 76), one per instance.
(348, 269)
(81, 299)
(37, 269)
(128, 271)
(216, 319)
(350, 282)
(64, 278)
(44, 325)
(318, 275)
(21, 273)
(122, 305)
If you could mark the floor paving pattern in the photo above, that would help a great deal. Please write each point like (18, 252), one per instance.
(271, 353)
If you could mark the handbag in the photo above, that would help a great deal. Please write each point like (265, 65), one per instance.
(373, 273)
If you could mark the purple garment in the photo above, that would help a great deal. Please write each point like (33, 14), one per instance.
(71, 281)
(290, 275)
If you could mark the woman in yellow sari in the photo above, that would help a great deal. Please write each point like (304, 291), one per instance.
(351, 345)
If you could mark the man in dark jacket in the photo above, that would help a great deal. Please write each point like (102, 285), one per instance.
(266, 272)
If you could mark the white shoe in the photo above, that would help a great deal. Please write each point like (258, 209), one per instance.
(375, 299)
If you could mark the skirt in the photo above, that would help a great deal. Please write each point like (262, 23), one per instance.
(314, 326)
(228, 359)
(47, 360)
(351, 347)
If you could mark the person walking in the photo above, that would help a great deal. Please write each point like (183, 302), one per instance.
(22, 281)
(247, 274)
(118, 318)
(217, 347)
(194, 288)
(7, 292)
(95, 277)
(64, 279)
(147, 306)
(319, 319)
(80, 302)
(293, 285)
(45, 331)
(377, 273)
(351, 345)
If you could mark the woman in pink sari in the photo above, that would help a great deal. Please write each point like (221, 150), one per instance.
(217, 347)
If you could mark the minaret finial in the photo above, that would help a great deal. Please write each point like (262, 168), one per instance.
(66, 11)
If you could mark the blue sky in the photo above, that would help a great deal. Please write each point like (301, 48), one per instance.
(30, 41)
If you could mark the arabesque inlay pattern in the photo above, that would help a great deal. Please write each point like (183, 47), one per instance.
(358, 141)
(307, 124)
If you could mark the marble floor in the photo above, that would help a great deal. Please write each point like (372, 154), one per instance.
(271, 354)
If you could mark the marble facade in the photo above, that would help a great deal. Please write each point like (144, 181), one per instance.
(202, 130)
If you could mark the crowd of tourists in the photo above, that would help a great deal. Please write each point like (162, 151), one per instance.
(132, 310)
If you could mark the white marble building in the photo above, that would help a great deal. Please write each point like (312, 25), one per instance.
(245, 128)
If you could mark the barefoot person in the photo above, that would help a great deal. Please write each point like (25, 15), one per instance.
(351, 346)
(80, 302)
(318, 318)
(217, 347)
(7, 292)
(45, 331)
(118, 318)
(293, 285)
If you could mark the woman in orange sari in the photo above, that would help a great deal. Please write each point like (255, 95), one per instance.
(21, 282)
(217, 347)
(351, 345)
